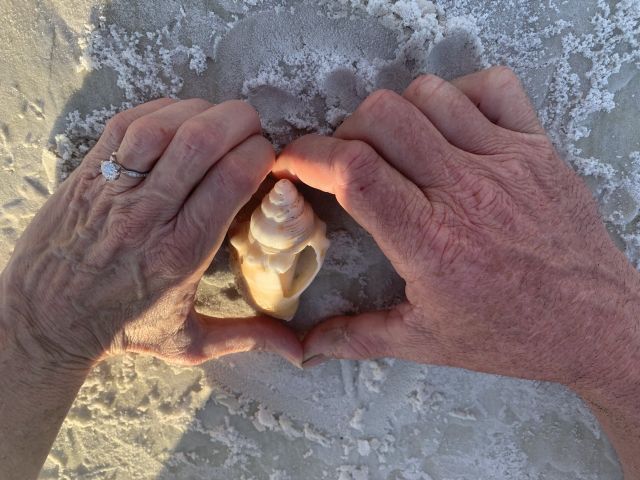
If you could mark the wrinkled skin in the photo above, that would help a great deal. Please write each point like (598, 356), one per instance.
(508, 266)
(500, 243)
(107, 268)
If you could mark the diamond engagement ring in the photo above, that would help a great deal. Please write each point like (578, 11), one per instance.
(111, 169)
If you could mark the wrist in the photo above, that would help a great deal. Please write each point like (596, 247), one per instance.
(612, 392)
(38, 384)
(611, 373)
(33, 339)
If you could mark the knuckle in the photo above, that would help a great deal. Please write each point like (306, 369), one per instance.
(82, 183)
(510, 162)
(117, 126)
(261, 143)
(244, 168)
(201, 138)
(235, 181)
(378, 104)
(425, 86)
(528, 159)
(244, 109)
(200, 103)
(485, 202)
(354, 164)
(536, 145)
(504, 76)
(515, 169)
(259, 150)
(146, 133)
(469, 185)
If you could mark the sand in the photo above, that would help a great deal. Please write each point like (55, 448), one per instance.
(67, 66)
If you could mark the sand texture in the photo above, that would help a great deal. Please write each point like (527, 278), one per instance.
(66, 66)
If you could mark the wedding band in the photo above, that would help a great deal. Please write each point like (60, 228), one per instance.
(111, 169)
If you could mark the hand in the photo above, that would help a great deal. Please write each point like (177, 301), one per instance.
(107, 268)
(508, 267)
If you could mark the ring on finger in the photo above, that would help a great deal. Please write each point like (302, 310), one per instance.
(111, 169)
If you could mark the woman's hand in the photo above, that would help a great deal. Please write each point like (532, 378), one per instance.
(106, 268)
(508, 266)
(111, 267)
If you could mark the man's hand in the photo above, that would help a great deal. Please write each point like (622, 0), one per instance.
(508, 266)
(504, 255)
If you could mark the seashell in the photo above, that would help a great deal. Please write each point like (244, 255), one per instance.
(280, 250)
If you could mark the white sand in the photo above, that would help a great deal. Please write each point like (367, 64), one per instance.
(64, 70)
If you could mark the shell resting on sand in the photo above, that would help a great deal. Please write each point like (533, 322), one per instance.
(280, 251)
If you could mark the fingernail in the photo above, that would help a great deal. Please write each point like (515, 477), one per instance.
(314, 361)
(294, 360)
(296, 363)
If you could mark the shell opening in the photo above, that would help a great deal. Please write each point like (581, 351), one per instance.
(304, 271)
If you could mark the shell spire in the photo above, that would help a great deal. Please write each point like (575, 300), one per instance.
(284, 220)
(280, 250)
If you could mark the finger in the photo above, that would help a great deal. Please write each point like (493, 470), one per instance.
(148, 136)
(401, 134)
(453, 114)
(116, 128)
(223, 336)
(365, 336)
(376, 195)
(197, 146)
(214, 203)
(499, 95)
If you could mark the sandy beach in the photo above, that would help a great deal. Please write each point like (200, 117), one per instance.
(67, 66)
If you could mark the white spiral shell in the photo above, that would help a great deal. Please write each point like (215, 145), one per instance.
(280, 251)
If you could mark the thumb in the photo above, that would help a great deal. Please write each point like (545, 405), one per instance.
(222, 336)
(368, 335)
(384, 202)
